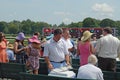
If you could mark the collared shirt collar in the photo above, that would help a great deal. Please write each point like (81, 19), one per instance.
(52, 40)
(108, 34)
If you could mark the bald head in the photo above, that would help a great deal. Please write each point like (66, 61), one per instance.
(92, 59)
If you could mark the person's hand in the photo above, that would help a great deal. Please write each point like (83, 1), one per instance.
(24, 49)
(50, 66)
(68, 63)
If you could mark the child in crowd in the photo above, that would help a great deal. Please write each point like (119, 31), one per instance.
(33, 53)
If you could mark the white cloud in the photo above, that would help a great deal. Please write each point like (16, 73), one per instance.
(103, 8)
(67, 20)
(64, 16)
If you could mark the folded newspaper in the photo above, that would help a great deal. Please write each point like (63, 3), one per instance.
(62, 72)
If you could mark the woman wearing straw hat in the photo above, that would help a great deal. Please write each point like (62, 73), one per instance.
(85, 48)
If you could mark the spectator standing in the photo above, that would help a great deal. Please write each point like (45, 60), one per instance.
(67, 40)
(19, 48)
(37, 34)
(85, 48)
(3, 54)
(90, 71)
(107, 49)
(56, 52)
(33, 53)
(43, 42)
(94, 40)
(9, 49)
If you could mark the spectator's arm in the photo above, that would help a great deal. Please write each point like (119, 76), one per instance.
(50, 66)
(16, 50)
(78, 50)
(98, 45)
(118, 52)
(67, 58)
(92, 49)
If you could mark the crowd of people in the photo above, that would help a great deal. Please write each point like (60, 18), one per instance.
(96, 55)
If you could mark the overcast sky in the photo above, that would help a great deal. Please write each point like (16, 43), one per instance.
(58, 11)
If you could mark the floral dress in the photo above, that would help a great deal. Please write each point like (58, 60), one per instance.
(33, 58)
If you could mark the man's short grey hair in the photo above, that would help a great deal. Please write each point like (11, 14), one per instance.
(58, 31)
(92, 59)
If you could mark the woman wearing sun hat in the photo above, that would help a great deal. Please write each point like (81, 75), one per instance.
(85, 48)
(33, 53)
(19, 48)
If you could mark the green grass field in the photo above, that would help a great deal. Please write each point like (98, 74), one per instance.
(11, 39)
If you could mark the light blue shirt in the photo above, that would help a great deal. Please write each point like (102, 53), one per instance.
(10, 54)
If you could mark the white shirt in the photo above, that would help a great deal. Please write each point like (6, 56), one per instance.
(90, 71)
(56, 51)
(108, 47)
(67, 42)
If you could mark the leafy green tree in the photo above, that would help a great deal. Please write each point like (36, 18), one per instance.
(80, 24)
(118, 28)
(89, 22)
(26, 26)
(3, 26)
(18, 24)
(75, 25)
(54, 26)
(117, 23)
(107, 22)
(13, 28)
(62, 25)
(98, 22)
(6, 30)
(43, 25)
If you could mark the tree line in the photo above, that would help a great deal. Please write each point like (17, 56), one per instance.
(29, 27)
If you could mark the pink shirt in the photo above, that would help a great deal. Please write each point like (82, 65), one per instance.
(84, 49)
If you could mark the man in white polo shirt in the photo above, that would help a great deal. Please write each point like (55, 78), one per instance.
(56, 53)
